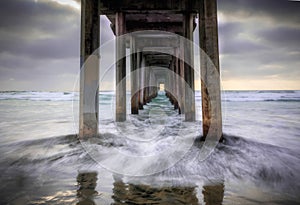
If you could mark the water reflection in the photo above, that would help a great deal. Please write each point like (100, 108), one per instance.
(129, 193)
(124, 193)
(213, 194)
(87, 183)
(145, 194)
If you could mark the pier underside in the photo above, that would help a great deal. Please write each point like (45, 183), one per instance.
(159, 35)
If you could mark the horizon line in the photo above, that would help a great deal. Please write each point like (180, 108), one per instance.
(129, 90)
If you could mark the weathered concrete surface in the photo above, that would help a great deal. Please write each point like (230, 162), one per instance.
(175, 16)
(188, 68)
(89, 75)
(134, 78)
(120, 68)
(210, 69)
(181, 73)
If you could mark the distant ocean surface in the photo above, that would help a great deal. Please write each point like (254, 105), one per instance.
(41, 162)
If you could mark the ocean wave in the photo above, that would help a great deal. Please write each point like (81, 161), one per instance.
(277, 91)
(56, 161)
(106, 97)
(261, 100)
(236, 157)
(38, 96)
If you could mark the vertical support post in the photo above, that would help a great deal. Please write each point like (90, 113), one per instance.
(89, 75)
(140, 77)
(169, 86)
(181, 71)
(120, 68)
(151, 79)
(177, 79)
(188, 68)
(141, 80)
(134, 78)
(173, 80)
(146, 84)
(210, 69)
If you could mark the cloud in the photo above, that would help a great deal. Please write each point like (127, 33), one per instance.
(280, 11)
(39, 30)
(258, 37)
(40, 42)
(283, 37)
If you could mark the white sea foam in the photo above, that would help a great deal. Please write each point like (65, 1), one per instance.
(266, 152)
(230, 96)
(38, 96)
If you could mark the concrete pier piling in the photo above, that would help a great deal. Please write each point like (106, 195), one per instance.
(120, 68)
(156, 57)
(210, 69)
(134, 78)
(89, 73)
(188, 25)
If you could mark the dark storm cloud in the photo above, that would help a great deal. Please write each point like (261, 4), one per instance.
(40, 40)
(259, 38)
(27, 15)
(231, 43)
(241, 47)
(52, 47)
(39, 45)
(39, 30)
(274, 23)
(282, 10)
(288, 38)
(230, 29)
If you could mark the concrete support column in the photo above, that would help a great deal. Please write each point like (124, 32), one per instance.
(134, 78)
(167, 87)
(140, 79)
(151, 83)
(177, 79)
(146, 84)
(168, 93)
(173, 80)
(210, 69)
(143, 79)
(181, 73)
(89, 75)
(188, 68)
(120, 68)
(154, 84)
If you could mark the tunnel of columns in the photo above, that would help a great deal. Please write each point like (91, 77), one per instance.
(159, 35)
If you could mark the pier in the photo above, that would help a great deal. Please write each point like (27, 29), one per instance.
(161, 52)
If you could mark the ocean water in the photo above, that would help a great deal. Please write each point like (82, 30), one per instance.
(42, 162)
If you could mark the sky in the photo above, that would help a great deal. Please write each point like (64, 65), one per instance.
(259, 44)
